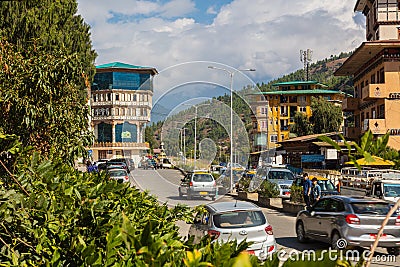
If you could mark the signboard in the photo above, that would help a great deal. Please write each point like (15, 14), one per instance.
(331, 153)
(391, 176)
(312, 158)
(126, 134)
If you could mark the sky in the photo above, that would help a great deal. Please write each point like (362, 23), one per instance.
(266, 35)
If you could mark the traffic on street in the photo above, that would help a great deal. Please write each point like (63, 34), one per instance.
(164, 184)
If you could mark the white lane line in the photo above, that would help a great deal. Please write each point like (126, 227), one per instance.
(166, 180)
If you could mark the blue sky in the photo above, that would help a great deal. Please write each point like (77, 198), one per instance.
(266, 35)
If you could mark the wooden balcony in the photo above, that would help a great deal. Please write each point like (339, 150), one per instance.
(375, 91)
(121, 145)
(351, 132)
(350, 104)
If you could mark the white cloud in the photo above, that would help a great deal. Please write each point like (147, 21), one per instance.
(262, 34)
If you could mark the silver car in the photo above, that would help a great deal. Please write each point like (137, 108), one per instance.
(198, 184)
(354, 219)
(121, 175)
(227, 221)
(281, 176)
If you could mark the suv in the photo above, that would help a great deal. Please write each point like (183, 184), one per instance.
(129, 162)
(354, 219)
(198, 183)
(226, 221)
(276, 174)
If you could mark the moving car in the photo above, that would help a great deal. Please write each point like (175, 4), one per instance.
(277, 174)
(198, 184)
(225, 221)
(327, 187)
(355, 219)
(120, 175)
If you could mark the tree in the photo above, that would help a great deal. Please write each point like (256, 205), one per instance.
(302, 125)
(326, 117)
(47, 63)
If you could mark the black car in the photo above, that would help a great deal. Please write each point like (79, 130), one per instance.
(129, 162)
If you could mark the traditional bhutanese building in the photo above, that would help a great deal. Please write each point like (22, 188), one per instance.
(121, 102)
(375, 67)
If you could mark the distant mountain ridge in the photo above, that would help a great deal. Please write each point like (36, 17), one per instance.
(320, 71)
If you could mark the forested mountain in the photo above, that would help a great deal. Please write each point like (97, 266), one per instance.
(321, 71)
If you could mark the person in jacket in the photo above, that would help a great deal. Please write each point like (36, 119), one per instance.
(306, 189)
(315, 191)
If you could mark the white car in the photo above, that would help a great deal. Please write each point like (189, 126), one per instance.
(227, 221)
(121, 175)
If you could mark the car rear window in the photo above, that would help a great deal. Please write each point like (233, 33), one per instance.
(202, 178)
(281, 175)
(118, 173)
(371, 208)
(239, 219)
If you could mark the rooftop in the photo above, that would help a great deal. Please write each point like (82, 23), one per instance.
(299, 83)
(120, 65)
(364, 53)
(307, 137)
(300, 92)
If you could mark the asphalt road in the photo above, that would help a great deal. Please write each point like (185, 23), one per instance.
(164, 184)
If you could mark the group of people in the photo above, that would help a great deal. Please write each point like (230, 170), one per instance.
(311, 190)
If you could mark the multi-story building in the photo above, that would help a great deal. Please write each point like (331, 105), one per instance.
(375, 67)
(121, 102)
(275, 110)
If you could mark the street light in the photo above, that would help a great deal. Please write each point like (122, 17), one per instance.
(231, 137)
(195, 132)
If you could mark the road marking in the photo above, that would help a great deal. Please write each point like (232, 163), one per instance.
(166, 180)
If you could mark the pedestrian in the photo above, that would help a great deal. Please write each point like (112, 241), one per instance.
(315, 191)
(306, 189)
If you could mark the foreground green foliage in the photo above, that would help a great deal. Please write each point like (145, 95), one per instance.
(268, 189)
(46, 66)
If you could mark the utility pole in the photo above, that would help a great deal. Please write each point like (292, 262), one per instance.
(306, 58)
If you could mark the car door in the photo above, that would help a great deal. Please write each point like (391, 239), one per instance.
(313, 223)
(328, 217)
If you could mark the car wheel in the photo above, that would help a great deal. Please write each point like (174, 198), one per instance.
(189, 196)
(213, 198)
(393, 251)
(335, 242)
(301, 234)
(180, 193)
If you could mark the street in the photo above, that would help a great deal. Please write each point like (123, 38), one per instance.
(164, 184)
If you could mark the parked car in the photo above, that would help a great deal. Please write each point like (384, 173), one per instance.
(166, 164)
(120, 175)
(277, 174)
(129, 162)
(225, 221)
(355, 219)
(198, 184)
(327, 187)
(117, 165)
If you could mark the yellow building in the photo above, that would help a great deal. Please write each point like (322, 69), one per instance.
(375, 67)
(275, 110)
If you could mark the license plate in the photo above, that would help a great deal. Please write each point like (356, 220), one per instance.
(203, 193)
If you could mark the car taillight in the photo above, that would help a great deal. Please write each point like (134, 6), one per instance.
(352, 219)
(215, 183)
(397, 221)
(268, 230)
(126, 178)
(191, 184)
(213, 233)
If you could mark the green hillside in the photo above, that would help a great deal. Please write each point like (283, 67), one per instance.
(321, 71)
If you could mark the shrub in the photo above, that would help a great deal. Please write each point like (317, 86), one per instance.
(296, 194)
(268, 189)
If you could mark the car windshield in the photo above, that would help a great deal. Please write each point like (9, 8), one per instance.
(280, 175)
(378, 208)
(118, 173)
(202, 178)
(326, 185)
(239, 219)
(391, 190)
